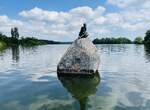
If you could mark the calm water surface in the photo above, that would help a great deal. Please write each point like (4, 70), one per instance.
(28, 80)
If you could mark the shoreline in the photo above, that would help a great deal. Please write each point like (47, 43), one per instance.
(2, 45)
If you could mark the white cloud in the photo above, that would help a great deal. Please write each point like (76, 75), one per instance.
(129, 3)
(39, 14)
(122, 3)
(81, 11)
(64, 24)
(122, 20)
(6, 23)
(133, 16)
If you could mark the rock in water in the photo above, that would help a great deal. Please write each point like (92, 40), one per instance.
(81, 58)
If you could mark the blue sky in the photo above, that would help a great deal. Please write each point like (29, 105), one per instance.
(62, 19)
(11, 7)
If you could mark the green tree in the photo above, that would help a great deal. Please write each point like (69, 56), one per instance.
(120, 40)
(147, 37)
(14, 36)
(138, 40)
(14, 33)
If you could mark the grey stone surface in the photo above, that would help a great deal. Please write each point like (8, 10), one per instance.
(81, 57)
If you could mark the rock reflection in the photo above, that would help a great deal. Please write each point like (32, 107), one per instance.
(80, 87)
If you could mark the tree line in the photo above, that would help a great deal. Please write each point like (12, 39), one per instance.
(120, 40)
(123, 40)
(16, 40)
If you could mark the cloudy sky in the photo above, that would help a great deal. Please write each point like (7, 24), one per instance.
(61, 19)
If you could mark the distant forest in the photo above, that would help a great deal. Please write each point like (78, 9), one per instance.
(120, 40)
(16, 40)
(123, 40)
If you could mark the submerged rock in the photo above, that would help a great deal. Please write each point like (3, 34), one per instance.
(81, 58)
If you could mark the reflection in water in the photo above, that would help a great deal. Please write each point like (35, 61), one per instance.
(2, 53)
(135, 98)
(81, 87)
(15, 53)
(116, 48)
(147, 52)
(145, 106)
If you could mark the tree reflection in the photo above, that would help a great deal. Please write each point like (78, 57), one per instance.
(80, 87)
(15, 53)
(147, 52)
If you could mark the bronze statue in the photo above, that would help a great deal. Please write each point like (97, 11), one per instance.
(83, 33)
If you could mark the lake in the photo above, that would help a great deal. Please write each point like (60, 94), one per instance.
(28, 80)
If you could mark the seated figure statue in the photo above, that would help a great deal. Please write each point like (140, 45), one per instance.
(83, 33)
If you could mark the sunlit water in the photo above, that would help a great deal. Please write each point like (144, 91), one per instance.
(28, 80)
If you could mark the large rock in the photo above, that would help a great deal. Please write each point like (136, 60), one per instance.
(81, 58)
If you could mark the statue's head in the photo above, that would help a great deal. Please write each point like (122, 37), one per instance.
(84, 24)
